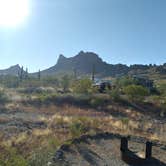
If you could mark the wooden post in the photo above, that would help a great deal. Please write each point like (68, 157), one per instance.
(124, 144)
(148, 150)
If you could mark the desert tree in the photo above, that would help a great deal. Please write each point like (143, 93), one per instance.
(65, 82)
(26, 73)
(21, 73)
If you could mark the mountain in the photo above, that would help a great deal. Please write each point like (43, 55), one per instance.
(86, 62)
(13, 70)
(83, 63)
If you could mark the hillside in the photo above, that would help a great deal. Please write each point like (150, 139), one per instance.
(13, 70)
(83, 63)
(86, 62)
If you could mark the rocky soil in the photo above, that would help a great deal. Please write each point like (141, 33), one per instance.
(104, 151)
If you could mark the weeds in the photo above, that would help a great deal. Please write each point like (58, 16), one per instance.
(77, 129)
(10, 157)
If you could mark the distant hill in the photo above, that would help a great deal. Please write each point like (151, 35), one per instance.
(13, 70)
(84, 62)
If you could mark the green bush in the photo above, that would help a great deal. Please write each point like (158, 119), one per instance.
(41, 157)
(125, 121)
(77, 128)
(162, 88)
(12, 158)
(115, 95)
(125, 81)
(3, 97)
(83, 86)
(135, 92)
(65, 82)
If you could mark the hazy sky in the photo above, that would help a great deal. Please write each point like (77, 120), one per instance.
(120, 31)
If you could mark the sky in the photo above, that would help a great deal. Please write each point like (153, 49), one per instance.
(119, 31)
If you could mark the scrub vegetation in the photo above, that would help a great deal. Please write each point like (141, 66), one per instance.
(40, 114)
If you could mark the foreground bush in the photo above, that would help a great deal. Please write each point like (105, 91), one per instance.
(78, 127)
(10, 157)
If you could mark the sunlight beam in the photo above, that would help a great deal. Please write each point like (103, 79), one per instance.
(13, 12)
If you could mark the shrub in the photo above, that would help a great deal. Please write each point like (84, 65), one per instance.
(41, 157)
(12, 158)
(135, 92)
(115, 95)
(77, 129)
(125, 81)
(125, 121)
(65, 83)
(162, 87)
(43, 153)
(83, 86)
(3, 97)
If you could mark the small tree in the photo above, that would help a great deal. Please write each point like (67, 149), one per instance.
(135, 92)
(65, 82)
(82, 86)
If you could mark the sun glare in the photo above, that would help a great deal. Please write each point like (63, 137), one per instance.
(13, 12)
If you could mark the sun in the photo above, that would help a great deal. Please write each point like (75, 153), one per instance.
(13, 12)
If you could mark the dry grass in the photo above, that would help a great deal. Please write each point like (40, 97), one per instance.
(59, 119)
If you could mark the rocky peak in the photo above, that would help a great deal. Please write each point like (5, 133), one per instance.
(16, 67)
(88, 56)
(61, 59)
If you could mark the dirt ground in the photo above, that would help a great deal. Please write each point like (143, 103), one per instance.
(23, 124)
(105, 152)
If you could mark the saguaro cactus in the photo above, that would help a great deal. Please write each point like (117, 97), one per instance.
(93, 72)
